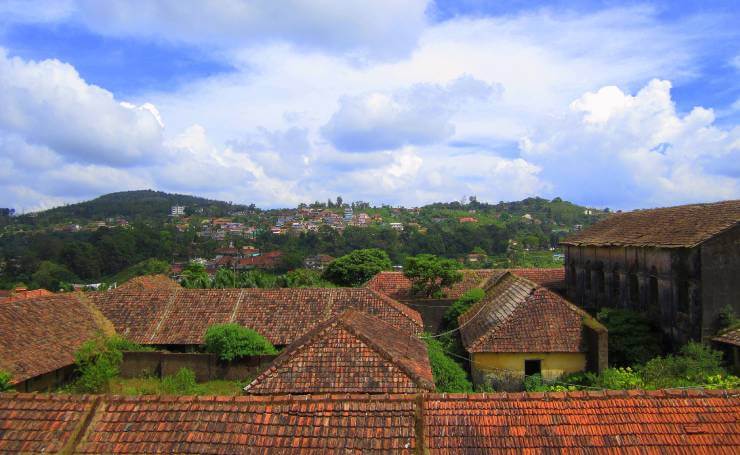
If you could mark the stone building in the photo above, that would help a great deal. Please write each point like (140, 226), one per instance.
(680, 265)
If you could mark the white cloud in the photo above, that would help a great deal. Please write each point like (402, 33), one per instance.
(418, 115)
(625, 150)
(49, 105)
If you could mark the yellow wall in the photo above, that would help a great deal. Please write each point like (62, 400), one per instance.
(553, 364)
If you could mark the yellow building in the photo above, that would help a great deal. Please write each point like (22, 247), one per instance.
(520, 328)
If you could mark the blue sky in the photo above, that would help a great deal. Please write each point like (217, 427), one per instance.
(609, 104)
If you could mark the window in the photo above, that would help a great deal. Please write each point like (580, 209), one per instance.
(587, 277)
(532, 367)
(600, 285)
(653, 290)
(615, 283)
(634, 289)
(683, 296)
(572, 273)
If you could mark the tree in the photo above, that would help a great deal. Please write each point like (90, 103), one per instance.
(431, 274)
(224, 278)
(195, 277)
(460, 306)
(146, 267)
(357, 267)
(51, 275)
(633, 340)
(5, 378)
(233, 341)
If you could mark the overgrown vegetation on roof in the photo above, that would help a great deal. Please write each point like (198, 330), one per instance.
(233, 341)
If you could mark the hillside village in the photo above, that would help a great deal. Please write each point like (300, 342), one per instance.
(390, 364)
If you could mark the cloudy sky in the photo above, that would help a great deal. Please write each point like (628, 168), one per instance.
(606, 103)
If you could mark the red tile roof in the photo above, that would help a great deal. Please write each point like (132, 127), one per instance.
(397, 286)
(24, 294)
(181, 316)
(39, 335)
(670, 227)
(666, 422)
(675, 422)
(731, 336)
(517, 315)
(145, 282)
(351, 352)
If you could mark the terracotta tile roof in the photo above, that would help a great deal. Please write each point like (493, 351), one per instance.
(20, 295)
(145, 282)
(517, 315)
(731, 336)
(670, 227)
(397, 286)
(695, 422)
(40, 423)
(351, 352)
(39, 335)
(666, 422)
(181, 316)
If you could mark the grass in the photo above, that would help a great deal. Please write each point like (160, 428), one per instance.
(153, 386)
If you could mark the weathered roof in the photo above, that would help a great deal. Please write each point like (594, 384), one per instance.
(145, 282)
(670, 227)
(632, 421)
(675, 421)
(517, 315)
(552, 279)
(39, 335)
(181, 316)
(352, 353)
(12, 296)
(731, 336)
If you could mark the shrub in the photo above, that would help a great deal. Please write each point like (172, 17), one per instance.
(448, 375)
(232, 341)
(357, 267)
(460, 306)
(535, 383)
(122, 344)
(692, 367)
(180, 383)
(618, 379)
(5, 381)
(97, 362)
(632, 338)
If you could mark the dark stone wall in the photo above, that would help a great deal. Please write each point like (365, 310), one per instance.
(720, 271)
(432, 311)
(206, 367)
(47, 382)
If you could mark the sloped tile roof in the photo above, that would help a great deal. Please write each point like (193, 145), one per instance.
(731, 336)
(517, 315)
(696, 422)
(670, 227)
(352, 352)
(146, 282)
(39, 335)
(397, 286)
(181, 316)
(40, 423)
(13, 296)
(666, 422)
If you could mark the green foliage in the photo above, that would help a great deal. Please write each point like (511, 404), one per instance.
(122, 344)
(5, 381)
(224, 279)
(52, 276)
(460, 306)
(431, 274)
(357, 267)
(232, 341)
(180, 383)
(727, 318)
(535, 383)
(303, 278)
(633, 340)
(195, 277)
(449, 376)
(97, 362)
(695, 363)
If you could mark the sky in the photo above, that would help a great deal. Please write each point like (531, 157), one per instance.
(613, 104)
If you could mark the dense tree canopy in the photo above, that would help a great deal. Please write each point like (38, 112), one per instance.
(431, 274)
(357, 267)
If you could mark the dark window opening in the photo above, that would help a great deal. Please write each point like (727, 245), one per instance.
(683, 296)
(532, 367)
(600, 285)
(615, 284)
(587, 276)
(634, 289)
(653, 288)
(572, 274)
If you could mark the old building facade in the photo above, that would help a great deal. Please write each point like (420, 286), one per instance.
(680, 265)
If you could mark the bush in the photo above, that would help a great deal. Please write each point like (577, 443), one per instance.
(97, 363)
(181, 383)
(460, 306)
(632, 338)
(695, 364)
(430, 274)
(448, 375)
(355, 268)
(122, 344)
(232, 341)
(535, 383)
(5, 381)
